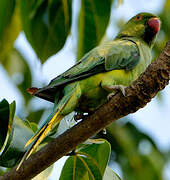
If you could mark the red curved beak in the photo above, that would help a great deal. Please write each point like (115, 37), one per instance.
(155, 24)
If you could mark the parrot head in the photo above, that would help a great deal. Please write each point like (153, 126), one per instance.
(144, 26)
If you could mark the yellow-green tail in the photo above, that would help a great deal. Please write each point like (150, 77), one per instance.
(41, 134)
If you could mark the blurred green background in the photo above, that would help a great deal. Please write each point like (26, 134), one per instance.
(41, 39)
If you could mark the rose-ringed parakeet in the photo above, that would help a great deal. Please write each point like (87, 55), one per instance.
(106, 68)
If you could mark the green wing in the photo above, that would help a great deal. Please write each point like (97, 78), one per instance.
(116, 54)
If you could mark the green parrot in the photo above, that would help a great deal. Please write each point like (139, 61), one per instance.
(99, 74)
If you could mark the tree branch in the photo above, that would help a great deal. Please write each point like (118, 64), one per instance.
(154, 79)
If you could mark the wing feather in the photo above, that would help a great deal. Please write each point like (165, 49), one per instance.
(116, 54)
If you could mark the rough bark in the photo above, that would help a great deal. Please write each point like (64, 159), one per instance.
(154, 79)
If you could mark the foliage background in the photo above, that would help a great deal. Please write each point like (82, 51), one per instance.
(140, 142)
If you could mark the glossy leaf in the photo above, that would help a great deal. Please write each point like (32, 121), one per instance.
(4, 114)
(7, 114)
(74, 169)
(135, 152)
(93, 21)
(46, 24)
(32, 125)
(13, 135)
(88, 162)
(22, 133)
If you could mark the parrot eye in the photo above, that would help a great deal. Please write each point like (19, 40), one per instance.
(138, 17)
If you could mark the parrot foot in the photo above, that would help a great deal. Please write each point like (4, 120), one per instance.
(104, 131)
(79, 116)
(116, 87)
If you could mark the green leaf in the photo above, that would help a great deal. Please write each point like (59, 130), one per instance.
(93, 21)
(6, 113)
(21, 134)
(88, 163)
(16, 66)
(110, 174)
(13, 135)
(96, 151)
(46, 24)
(10, 26)
(32, 125)
(135, 152)
(70, 171)
(35, 116)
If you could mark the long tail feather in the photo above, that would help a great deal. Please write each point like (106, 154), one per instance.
(41, 134)
(47, 127)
